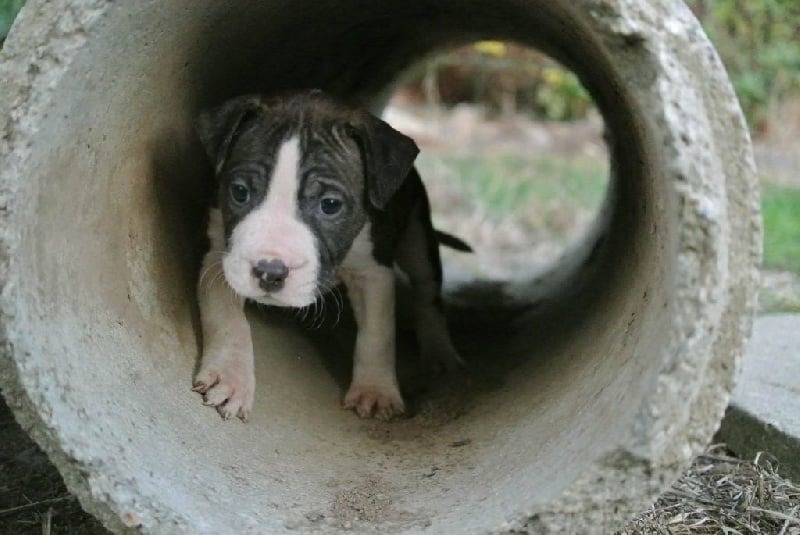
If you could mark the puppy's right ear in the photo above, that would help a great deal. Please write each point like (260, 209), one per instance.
(218, 127)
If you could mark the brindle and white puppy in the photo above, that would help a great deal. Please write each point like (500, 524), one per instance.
(312, 193)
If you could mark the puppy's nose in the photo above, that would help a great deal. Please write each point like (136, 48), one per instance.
(271, 274)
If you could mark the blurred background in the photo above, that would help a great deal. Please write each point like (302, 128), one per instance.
(514, 156)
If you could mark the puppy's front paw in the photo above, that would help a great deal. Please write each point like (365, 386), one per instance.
(370, 400)
(228, 387)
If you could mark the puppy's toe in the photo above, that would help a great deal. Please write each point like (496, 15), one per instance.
(229, 409)
(381, 402)
(239, 405)
(218, 394)
(205, 380)
(230, 390)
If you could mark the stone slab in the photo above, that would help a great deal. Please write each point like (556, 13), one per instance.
(764, 413)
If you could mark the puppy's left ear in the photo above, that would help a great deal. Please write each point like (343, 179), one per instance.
(387, 154)
(217, 127)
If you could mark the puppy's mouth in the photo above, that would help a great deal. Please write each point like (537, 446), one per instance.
(265, 284)
(276, 299)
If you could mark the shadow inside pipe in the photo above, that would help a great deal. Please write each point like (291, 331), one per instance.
(183, 185)
(498, 331)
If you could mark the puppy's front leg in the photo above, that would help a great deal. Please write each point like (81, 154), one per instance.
(373, 390)
(226, 377)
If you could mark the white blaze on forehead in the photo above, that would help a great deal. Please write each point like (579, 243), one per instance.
(281, 198)
(273, 231)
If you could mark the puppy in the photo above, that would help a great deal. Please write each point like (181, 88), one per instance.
(312, 194)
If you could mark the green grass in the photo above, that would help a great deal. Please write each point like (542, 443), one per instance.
(8, 10)
(507, 183)
(780, 207)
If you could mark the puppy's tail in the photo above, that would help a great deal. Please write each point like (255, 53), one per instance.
(448, 240)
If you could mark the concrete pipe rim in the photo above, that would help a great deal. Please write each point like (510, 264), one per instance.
(680, 231)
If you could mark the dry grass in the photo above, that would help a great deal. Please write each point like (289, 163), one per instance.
(723, 494)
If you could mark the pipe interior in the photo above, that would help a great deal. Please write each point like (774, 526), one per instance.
(560, 363)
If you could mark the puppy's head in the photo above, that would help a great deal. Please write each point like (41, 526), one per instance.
(297, 180)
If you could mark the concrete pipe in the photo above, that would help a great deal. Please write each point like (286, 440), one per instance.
(597, 383)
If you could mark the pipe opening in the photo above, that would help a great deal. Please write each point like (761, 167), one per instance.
(513, 155)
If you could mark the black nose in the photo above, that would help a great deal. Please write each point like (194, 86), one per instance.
(270, 274)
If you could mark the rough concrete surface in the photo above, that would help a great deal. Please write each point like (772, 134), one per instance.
(764, 414)
(593, 385)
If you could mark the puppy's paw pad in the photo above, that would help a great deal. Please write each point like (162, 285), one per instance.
(229, 390)
(374, 401)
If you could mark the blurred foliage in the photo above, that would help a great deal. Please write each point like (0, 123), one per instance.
(561, 95)
(8, 10)
(504, 78)
(759, 43)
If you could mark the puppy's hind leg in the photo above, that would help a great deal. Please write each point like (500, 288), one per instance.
(418, 256)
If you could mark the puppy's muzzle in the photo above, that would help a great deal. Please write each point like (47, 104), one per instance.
(271, 274)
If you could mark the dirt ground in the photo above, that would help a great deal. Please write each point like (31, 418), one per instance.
(33, 498)
(719, 494)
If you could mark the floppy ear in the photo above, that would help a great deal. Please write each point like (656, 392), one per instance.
(217, 127)
(388, 157)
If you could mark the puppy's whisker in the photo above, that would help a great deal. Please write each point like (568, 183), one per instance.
(335, 296)
(207, 270)
(321, 292)
(339, 300)
(214, 278)
(319, 310)
(234, 297)
(300, 315)
(311, 310)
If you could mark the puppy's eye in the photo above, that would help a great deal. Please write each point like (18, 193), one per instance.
(330, 205)
(240, 193)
